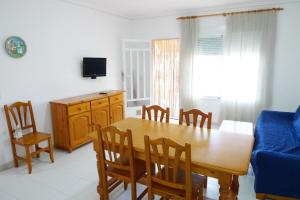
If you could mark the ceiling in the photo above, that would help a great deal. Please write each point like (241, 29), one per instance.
(134, 9)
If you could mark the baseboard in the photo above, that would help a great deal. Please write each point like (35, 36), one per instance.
(6, 166)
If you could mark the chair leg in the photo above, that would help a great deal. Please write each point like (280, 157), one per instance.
(125, 185)
(205, 183)
(50, 146)
(200, 194)
(141, 196)
(133, 191)
(36, 149)
(16, 163)
(105, 189)
(150, 194)
(28, 158)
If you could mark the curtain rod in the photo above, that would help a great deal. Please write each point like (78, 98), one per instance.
(230, 13)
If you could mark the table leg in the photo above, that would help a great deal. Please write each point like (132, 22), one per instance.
(235, 184)
(225, 188)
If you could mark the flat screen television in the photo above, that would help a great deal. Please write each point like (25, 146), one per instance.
(94, 67)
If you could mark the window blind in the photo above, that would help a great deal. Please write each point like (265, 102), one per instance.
(210, 45)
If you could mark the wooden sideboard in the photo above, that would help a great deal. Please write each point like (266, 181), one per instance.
(71, 117)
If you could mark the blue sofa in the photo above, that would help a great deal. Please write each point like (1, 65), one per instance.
(276, 154)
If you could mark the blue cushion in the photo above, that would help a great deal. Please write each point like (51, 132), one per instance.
(296, 121)
(274, 132)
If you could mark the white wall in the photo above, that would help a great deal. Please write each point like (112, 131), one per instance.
(58, 35)
(286, 93)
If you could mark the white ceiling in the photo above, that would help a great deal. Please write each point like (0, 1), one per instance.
(134, 9)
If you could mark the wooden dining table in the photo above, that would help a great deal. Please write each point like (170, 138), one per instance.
(219, 153)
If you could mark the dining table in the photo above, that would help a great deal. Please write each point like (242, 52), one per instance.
(223, 153)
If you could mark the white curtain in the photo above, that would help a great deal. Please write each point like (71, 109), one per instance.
(188, 55)
(165, 59)
(247, 67)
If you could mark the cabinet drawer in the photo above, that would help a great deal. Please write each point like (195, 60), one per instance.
(79, 108)
(99, 103)
(116, 98)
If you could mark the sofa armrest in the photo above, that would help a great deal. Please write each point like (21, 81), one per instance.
(277, 112)
(276, 173)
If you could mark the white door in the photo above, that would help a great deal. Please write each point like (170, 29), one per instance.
(137, 73)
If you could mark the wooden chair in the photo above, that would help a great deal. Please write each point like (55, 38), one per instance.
(156, 109)
(119, 163)
(18, 114)
(195, 113)
(172, 179)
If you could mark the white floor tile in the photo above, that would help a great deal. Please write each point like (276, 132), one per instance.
(73, 176)
(23, 187)
(5, 196)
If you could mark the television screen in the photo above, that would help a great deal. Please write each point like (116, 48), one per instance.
(93, 67)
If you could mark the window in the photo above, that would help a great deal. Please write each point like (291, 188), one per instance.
(207, 73)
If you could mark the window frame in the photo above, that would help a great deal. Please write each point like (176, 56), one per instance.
(204, 97)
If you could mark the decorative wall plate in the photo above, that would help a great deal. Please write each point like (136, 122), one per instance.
(15, 47)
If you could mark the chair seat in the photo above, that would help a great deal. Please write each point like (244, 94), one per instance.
(139, 165)
(197, 184)
(32, 138)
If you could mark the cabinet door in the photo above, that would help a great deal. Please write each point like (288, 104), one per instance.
(79, 128)
(116, 112)
(101, 116)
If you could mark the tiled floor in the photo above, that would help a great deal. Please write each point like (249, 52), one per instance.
(74, 177)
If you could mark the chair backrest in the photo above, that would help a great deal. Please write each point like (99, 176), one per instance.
(167, 157)
(118, 145)
(156, 109)
(195, 113)
(17, 114)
